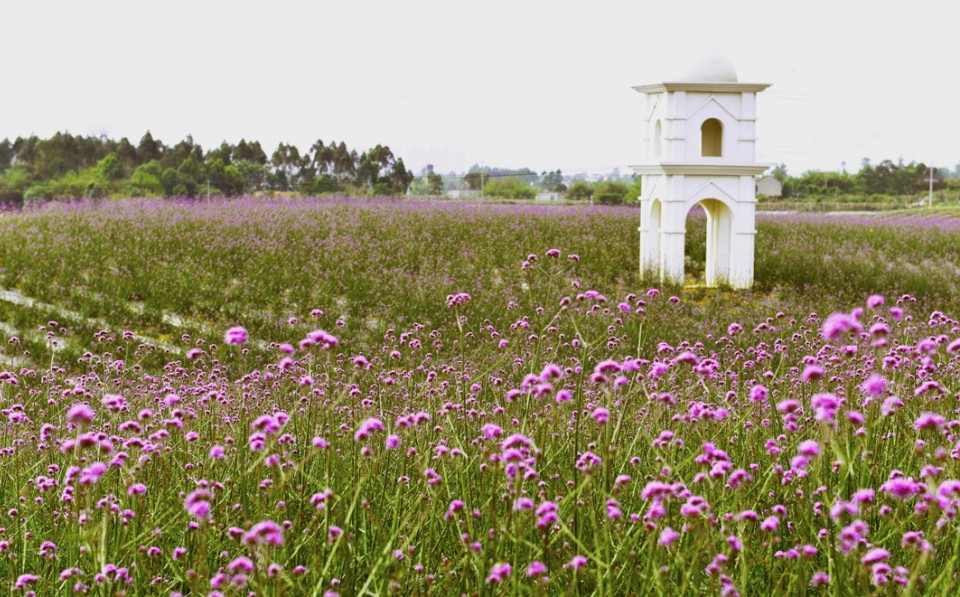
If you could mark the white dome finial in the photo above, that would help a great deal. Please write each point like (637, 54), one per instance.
(713, 67)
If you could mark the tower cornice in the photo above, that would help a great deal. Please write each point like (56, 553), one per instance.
(702, 87)
(687, 168)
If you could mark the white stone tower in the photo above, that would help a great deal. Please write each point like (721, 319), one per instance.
(700, 148)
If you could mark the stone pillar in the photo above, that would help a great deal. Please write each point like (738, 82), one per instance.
(741, 268)
(671, 256)
(650, 238)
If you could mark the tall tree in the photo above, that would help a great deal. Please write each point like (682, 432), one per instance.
(148, 149)
(6, 155)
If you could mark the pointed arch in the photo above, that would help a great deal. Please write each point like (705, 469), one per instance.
(711, 138)
(719, 241)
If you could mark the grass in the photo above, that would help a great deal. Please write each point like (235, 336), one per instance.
(564, 413)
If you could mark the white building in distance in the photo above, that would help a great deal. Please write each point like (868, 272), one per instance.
(700, 149)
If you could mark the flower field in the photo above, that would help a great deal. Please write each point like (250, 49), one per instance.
(309, 397)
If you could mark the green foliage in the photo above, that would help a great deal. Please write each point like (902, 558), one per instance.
(610, 192)
(579, 190)
(179, 274)
(110, 168)
(887, 179)
(13, 184)
(430, 184)
(75, 166)
(145, 181)
(320, 185)
(552, 181)
(510, 187)
(476, 181)
(252, 173)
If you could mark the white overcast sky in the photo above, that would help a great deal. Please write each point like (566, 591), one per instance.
(504, 83)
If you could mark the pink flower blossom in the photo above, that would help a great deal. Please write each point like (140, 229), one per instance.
(236, 335)
(499, 573)
(80, 413)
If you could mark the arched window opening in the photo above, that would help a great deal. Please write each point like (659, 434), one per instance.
(711, 138)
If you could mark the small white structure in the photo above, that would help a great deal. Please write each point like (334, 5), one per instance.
(769, 186)
(700, 146)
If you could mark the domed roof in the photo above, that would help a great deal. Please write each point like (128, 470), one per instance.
(711, 68)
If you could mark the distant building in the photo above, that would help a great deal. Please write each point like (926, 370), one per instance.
(462, 193)
(769, 186)
(549, 196)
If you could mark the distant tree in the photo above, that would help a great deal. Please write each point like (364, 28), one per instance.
(175, 155)
(224, 153)
(13, 184)
(476, 181)
(552, 181)
(252, 152)
(510, 187)
(127, 153)
(192, 174)
(381, 173)
(55, 156)
(145, 181)
(254, 175)
(286, 167)
(6, 155)
(320, 185)
(429, 183)
(148, 149)
(227, 179)
(172, 183)
(579, 190)
(780, 172)
(110, 168)
(610, 192)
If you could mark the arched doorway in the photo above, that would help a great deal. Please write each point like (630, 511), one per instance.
(718, 239)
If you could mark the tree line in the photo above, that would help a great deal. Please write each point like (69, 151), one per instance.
(887, 179)
(73, 166)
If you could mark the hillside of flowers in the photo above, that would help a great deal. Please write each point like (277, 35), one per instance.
(337, 397)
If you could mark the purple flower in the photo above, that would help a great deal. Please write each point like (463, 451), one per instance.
(499, 573)
(875, 385)
(902, 488)
(812, 372)
(236, 335)
(320, 338)
(80, 413)
(491, 430)
(600, 415)
(459, 298)
(929, 421)
(770, 523)
(668, 536)
(367, 428)
(576, 562)
(759, 394)
(809, 448)
(265, 532)
(877, 554)
(25, 579)
(536, 568)
(839, 324)
(241, 564)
